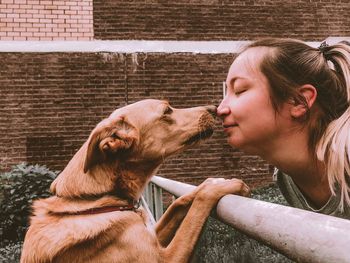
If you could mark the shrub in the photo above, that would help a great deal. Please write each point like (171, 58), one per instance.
(11, 253)
(270, 194)
(18, 189)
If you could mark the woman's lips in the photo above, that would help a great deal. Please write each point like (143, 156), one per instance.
(228, 126)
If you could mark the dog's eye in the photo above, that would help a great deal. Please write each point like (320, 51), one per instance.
(168, 111)
(115, 136)
(166, 117)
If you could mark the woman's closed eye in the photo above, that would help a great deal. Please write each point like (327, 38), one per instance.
(240, 88)
(239, 91)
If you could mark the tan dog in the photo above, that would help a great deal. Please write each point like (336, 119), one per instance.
(92, 218)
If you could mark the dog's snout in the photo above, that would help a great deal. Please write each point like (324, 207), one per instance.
(211, 109)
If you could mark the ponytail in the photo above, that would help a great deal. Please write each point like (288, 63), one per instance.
(334, 146)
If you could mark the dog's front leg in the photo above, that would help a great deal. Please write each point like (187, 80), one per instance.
(181, 246)
(170, 221)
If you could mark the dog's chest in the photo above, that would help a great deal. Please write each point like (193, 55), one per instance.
(149, 224)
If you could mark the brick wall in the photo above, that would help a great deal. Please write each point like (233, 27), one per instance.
(312, 20)
(46, 20)
(51, 102)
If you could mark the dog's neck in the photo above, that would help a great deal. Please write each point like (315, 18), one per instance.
(133, 177)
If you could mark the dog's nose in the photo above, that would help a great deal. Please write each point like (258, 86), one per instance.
(211, 109)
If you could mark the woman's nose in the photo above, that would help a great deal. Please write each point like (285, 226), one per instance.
(223, 109)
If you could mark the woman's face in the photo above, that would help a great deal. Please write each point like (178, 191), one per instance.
(249, 119)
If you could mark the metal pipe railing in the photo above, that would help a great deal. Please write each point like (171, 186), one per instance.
(301, 235)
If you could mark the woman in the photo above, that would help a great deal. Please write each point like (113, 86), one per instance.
(289, 103)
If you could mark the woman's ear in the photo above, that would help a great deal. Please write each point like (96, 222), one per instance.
(309, 93)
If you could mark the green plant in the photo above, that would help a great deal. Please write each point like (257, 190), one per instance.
(18, 188)
(11, 253)
(271, 194)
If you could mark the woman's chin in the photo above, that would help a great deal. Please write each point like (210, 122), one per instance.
(242, 146)
(234, 142)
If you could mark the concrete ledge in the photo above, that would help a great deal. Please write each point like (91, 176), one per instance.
(127, 46)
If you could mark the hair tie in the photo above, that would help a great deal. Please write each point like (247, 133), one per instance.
(323, 46)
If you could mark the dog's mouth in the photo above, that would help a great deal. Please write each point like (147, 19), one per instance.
(205, 134)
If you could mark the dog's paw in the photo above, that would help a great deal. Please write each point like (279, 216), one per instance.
(215, 188)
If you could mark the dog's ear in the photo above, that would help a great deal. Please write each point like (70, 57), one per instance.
(107, 141)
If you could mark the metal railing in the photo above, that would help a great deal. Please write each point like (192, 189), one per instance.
(300, 235)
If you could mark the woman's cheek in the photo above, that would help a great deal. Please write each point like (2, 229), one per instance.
(239, 108)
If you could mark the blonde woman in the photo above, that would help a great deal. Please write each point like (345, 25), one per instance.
(289, 103)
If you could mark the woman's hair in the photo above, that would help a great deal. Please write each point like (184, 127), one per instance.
(287, 65)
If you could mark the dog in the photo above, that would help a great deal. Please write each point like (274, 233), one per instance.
(92, 215)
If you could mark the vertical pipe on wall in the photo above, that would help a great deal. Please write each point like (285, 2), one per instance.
(126, 90)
